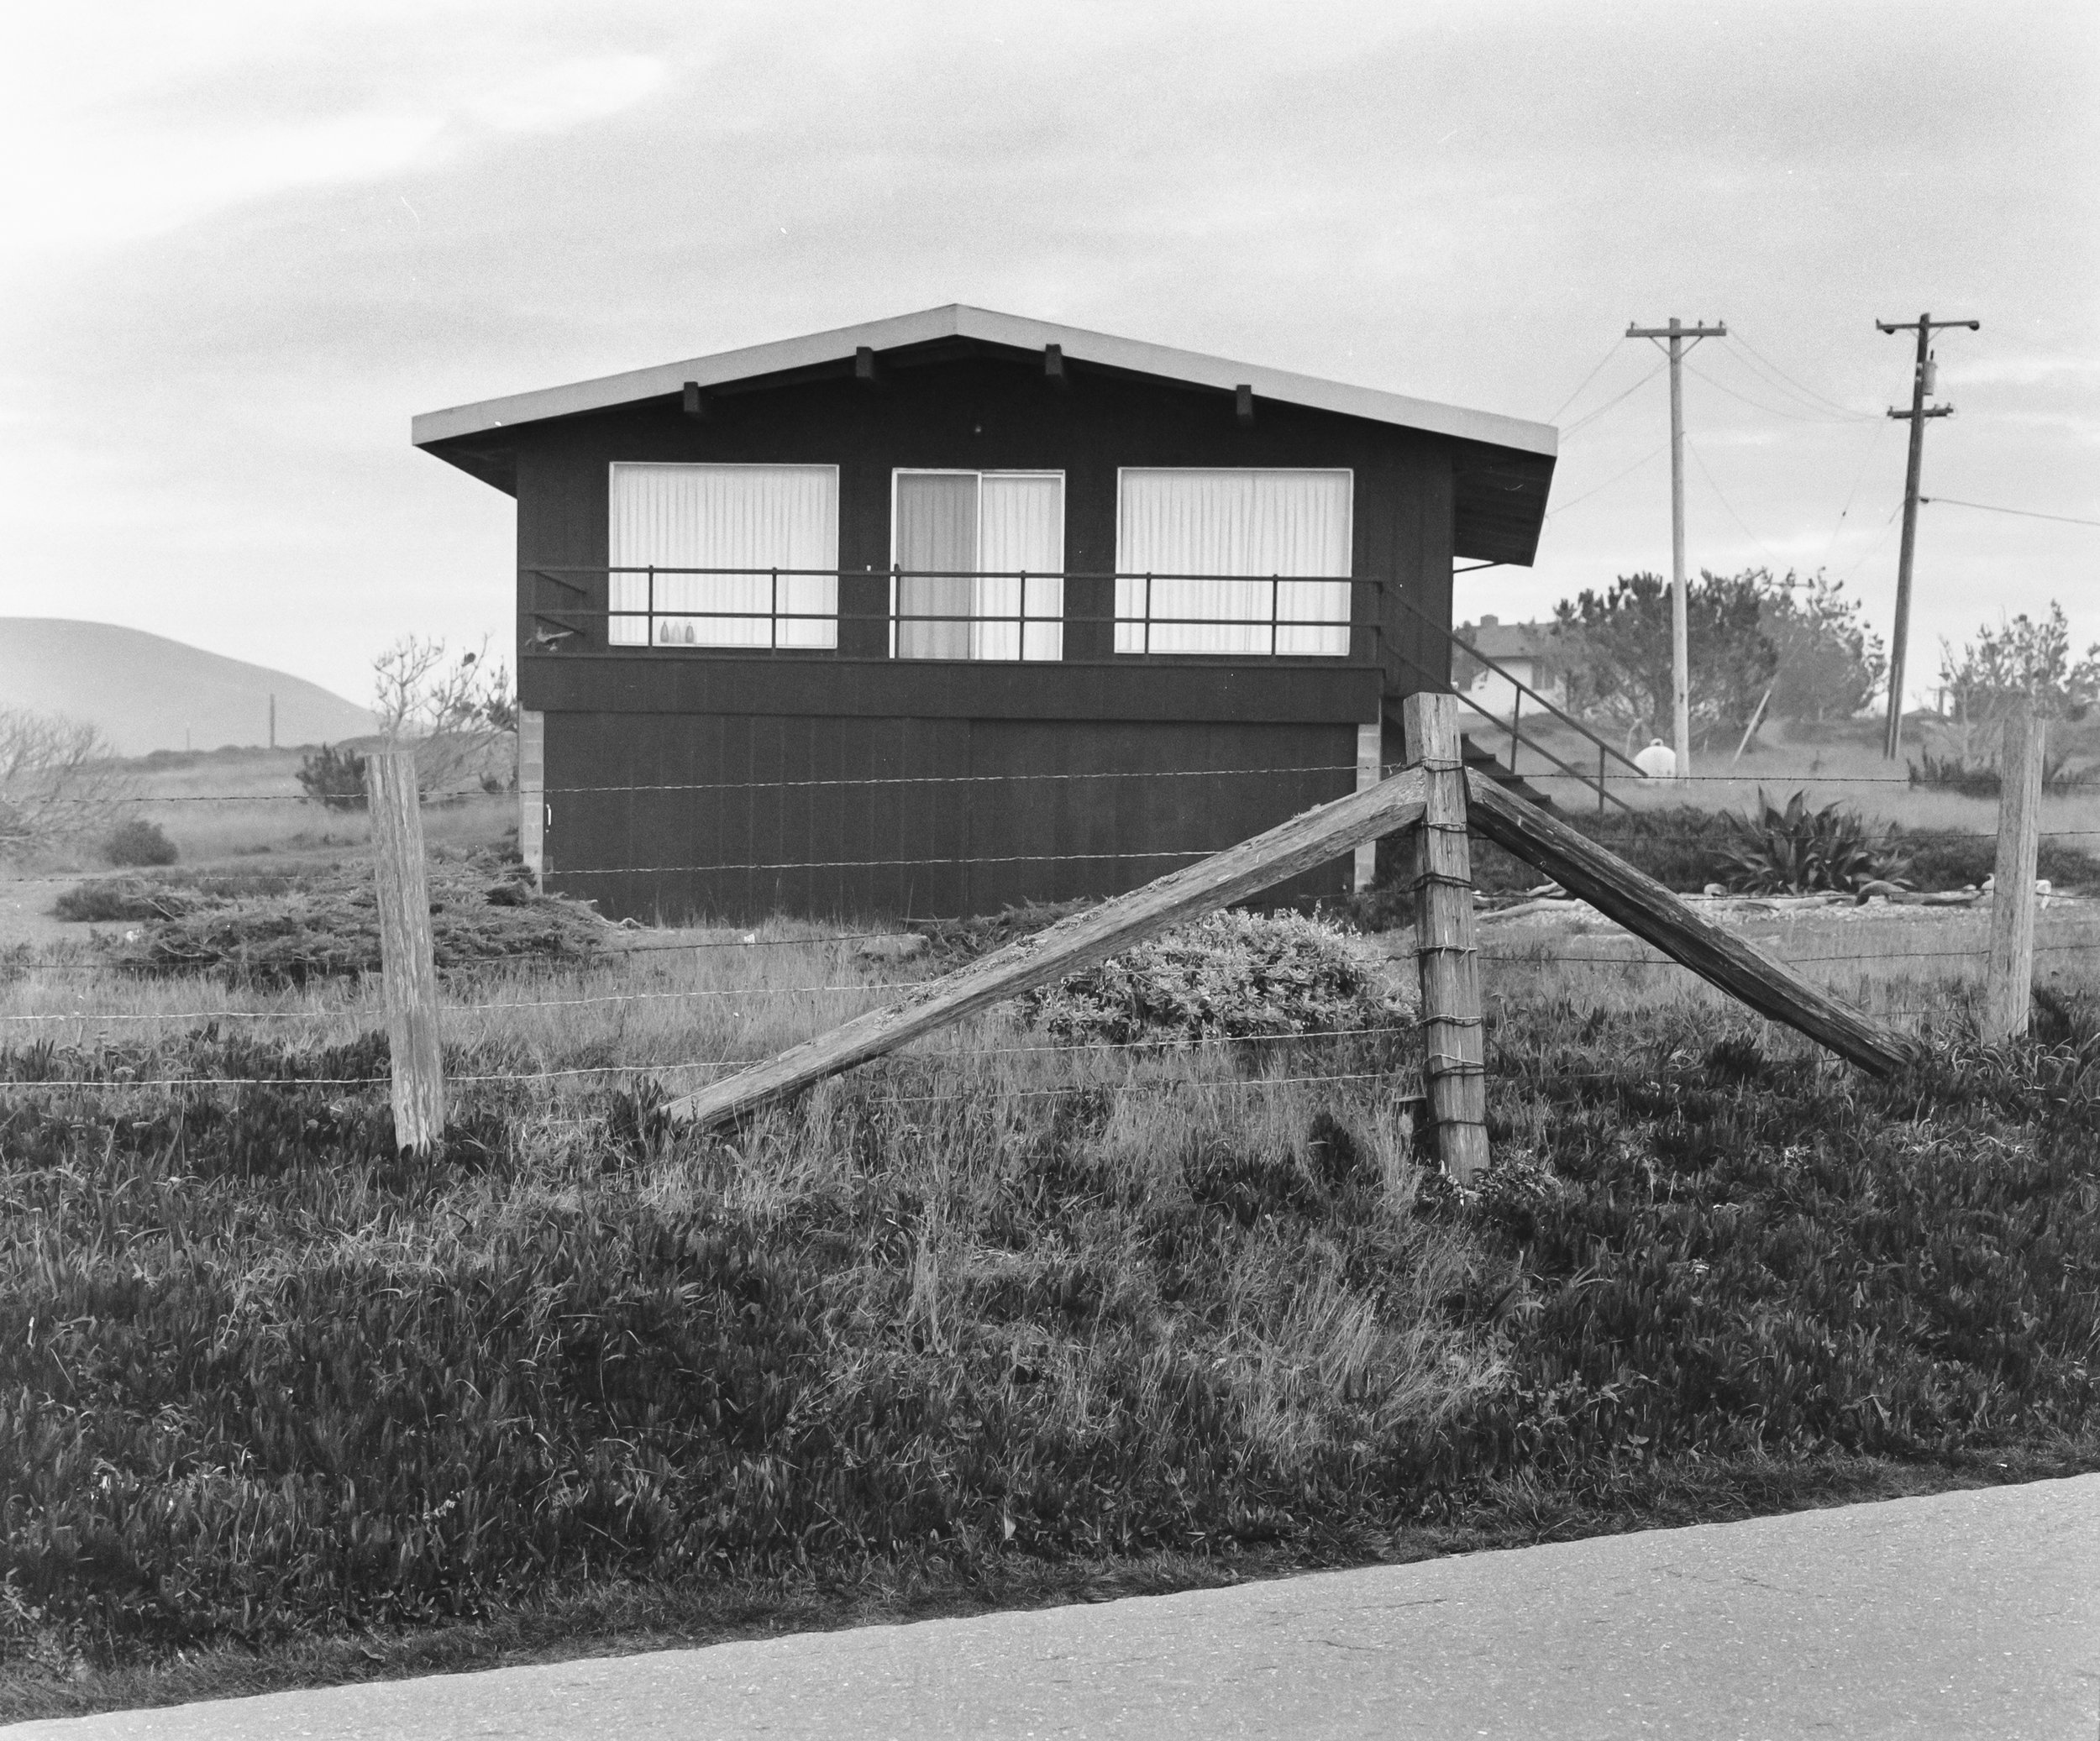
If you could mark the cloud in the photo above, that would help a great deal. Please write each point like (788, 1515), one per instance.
(112, 137)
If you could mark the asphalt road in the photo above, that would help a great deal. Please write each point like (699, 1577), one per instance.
(1974, 1615)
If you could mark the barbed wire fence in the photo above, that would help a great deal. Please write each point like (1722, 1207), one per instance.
(1924, 968)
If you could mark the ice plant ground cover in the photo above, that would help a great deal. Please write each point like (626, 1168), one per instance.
(1002, 1319)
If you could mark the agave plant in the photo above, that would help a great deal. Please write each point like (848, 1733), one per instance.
(1796, 850)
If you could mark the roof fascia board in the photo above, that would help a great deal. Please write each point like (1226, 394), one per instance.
(1015, 331)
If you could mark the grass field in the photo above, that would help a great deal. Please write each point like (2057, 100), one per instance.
(999, 1320)
(231, 805)
(996, 1321)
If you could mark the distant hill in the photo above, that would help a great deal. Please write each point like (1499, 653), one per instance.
(148, 693)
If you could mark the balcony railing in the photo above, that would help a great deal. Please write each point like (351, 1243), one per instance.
(1014, 615)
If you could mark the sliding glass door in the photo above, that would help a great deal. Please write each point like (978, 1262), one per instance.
(978, 559)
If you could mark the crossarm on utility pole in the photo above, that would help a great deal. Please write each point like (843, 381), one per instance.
(1303, 843)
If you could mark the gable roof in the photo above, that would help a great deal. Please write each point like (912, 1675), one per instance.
(1501, 495)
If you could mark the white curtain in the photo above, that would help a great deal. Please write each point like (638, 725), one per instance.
(754, 518)
(963, 541)
(935, 553)
(1021, 531)
(1259, 524)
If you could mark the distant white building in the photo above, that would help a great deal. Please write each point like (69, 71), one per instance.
(1525, 650)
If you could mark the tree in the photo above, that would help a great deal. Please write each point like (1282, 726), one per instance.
(334, 778)
(1618, 652)
(454, 714)
(1831, 664)
(58, 780)
(2021, 656)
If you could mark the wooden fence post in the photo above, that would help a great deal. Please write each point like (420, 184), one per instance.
(406, 963)
(1448, 962)
(2009, 987)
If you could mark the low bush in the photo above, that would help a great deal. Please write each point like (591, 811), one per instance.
(1229, 975)
(959, 939)
(137, 842)
(327, 927)
(120, 900)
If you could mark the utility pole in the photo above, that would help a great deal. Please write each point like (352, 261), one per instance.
(1680, 638)
(1921, 386)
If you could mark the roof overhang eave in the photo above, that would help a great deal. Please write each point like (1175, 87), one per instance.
(986, 326)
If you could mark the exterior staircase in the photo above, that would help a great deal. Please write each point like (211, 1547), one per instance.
(1486, 763)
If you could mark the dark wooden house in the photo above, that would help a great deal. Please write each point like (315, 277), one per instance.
(956, 609)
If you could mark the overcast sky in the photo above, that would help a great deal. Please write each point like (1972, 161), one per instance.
(241, 245)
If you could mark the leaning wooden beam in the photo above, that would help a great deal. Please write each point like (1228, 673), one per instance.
(1305, 842)
(1650, 912)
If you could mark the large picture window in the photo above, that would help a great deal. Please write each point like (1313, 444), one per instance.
(1278, 529)
(752, 520)
(978, 557)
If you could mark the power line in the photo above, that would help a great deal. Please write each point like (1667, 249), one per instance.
(1773, 410)
(1714, 485)
(1584, 421)
(1989, 508)
(1873, 447)
(1807, 393)
(1609, 354)
(1608, 482)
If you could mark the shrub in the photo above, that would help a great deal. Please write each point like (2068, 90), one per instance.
(1229, 975)
(960, 940)
(334, 777)
(327, 927)
(1983, 780)
(120, 900)
(1963, 860)
(137, 842)
(1796, 850)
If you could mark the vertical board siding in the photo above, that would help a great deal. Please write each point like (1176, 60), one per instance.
(931, 818)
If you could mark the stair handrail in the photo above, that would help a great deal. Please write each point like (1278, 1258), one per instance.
(1596, 781)
(1519, 683)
